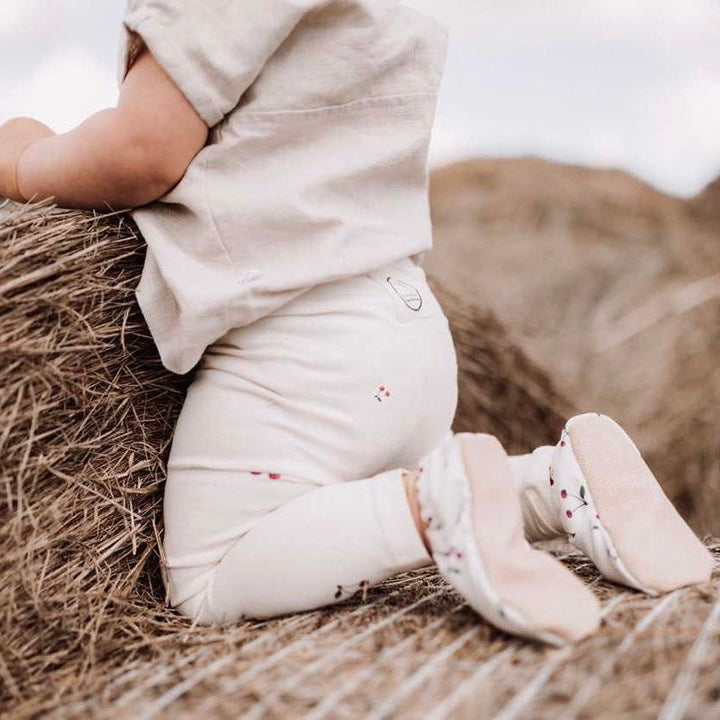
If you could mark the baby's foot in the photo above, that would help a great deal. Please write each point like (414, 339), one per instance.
(474, 527)
(611, 507)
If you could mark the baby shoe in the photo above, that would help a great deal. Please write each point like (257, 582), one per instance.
(595, 487)
(474, 528)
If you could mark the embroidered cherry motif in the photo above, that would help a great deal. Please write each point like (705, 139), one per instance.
(581, 498)
(382, 390)
(362, 585)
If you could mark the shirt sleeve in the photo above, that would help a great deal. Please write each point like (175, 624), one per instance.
(212, 49)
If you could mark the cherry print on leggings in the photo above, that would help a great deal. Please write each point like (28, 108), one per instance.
(272, 475)
(349, 590)
(382, 393)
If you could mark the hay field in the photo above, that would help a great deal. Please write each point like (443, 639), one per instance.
(611, 287)
(86, 416)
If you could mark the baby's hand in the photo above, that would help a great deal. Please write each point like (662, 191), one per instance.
(15, 135)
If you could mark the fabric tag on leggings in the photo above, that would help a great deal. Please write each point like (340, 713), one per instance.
(409, 298)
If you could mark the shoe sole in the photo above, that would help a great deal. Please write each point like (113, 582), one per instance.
(459, 561)
(614, 510)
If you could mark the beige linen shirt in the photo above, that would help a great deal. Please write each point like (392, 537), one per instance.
(315, 166)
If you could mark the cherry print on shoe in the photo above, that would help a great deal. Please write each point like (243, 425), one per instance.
(474, 529)
(642, 541)
(588, 536)
(450, 555)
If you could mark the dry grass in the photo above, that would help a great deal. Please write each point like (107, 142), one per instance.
(86, 415)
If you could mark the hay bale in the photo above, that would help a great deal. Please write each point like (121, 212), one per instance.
(86, 416)
(86, 412)
(610, 286)
(500, 390)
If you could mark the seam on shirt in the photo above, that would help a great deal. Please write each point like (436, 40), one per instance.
(211, 216)
(369, 100)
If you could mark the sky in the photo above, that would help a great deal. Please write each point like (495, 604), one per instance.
(633, 84)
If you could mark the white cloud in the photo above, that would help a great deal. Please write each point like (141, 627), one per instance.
(490, 20)
(611, 83)
(16, 16)
(65, 88)
(628, 83)
(683, 142)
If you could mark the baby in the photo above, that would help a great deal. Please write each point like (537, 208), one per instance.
(274, 153)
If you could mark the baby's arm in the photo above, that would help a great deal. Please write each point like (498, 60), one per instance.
(120, 157)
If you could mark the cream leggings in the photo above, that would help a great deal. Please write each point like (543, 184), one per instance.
(284, 486)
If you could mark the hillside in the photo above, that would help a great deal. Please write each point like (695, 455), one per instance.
(609, 285)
